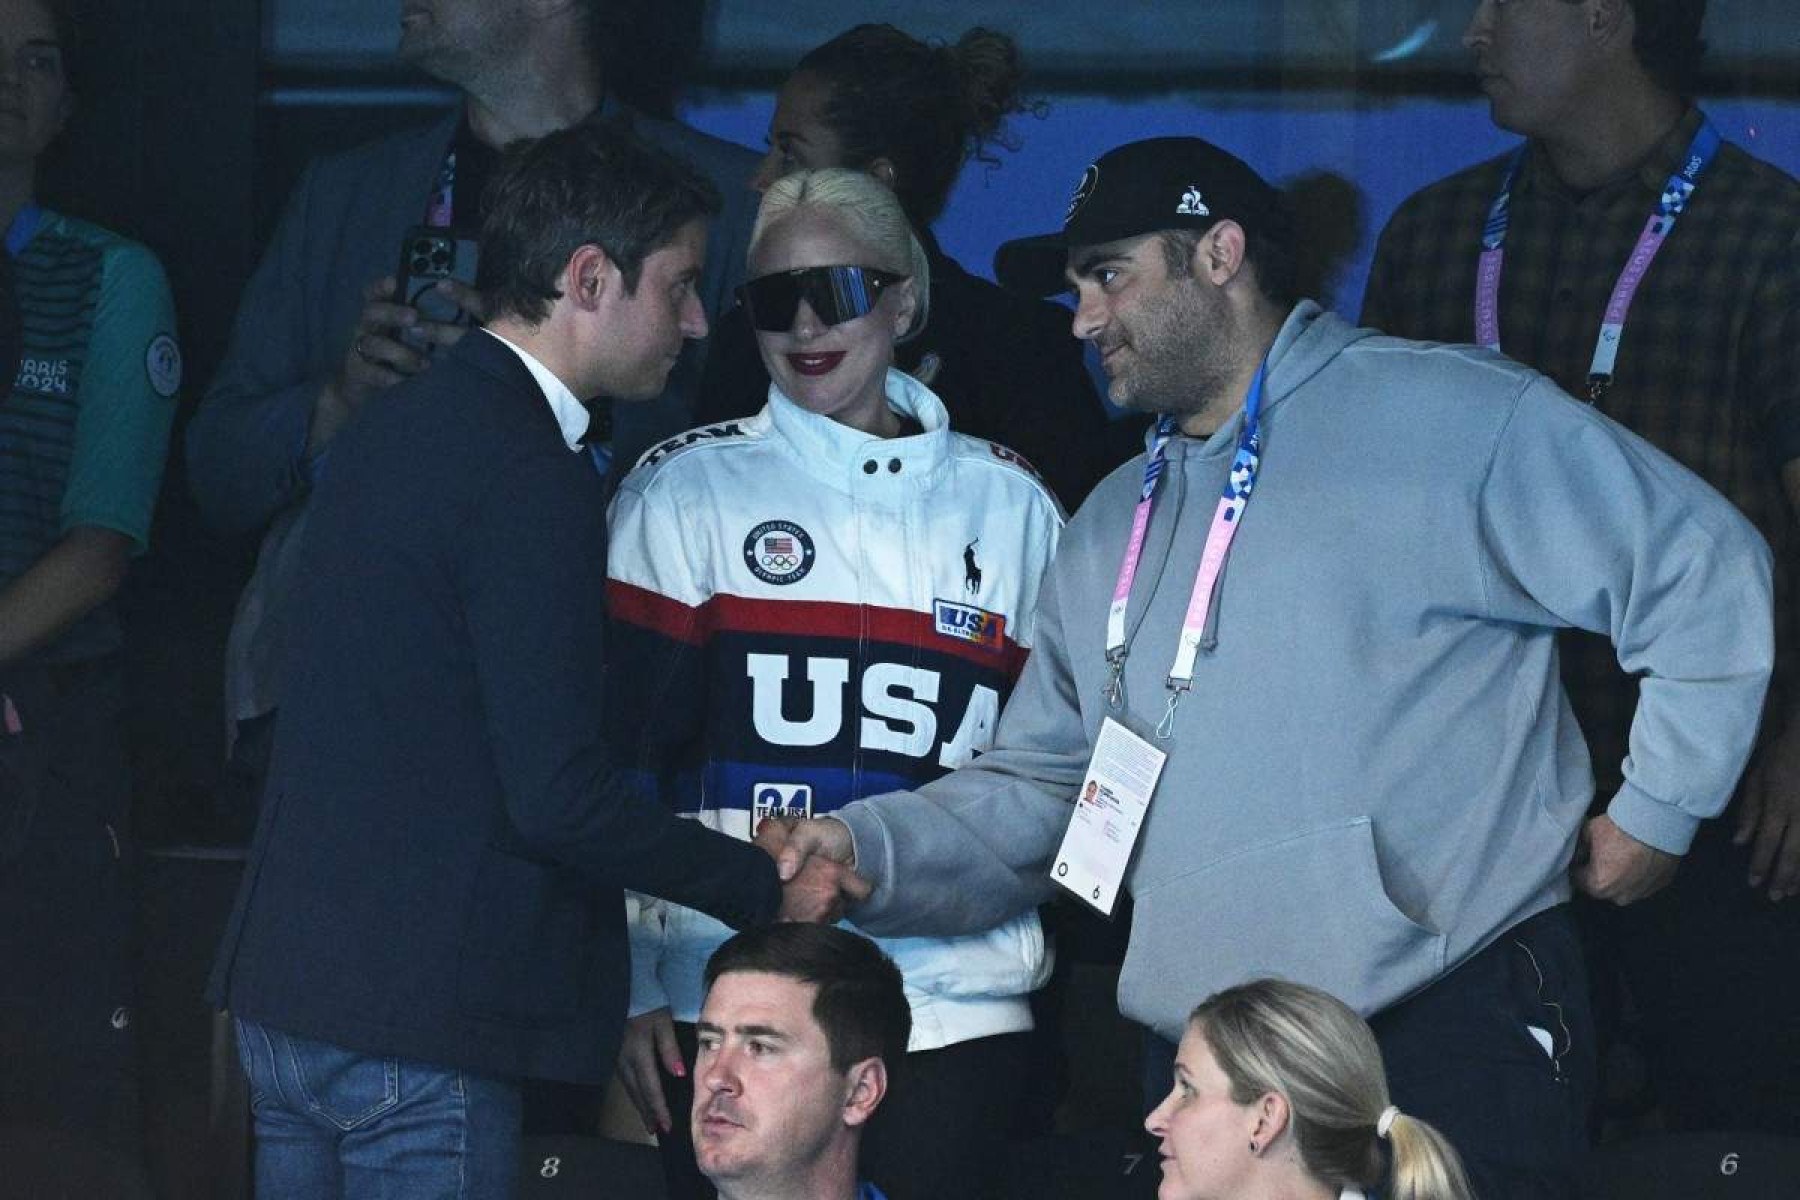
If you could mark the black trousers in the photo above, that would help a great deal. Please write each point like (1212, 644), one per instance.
(1709, 970)
(941, 1133)
(66, 891)
(1462, 1055)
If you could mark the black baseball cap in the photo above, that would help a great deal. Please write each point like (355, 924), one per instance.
(1145, 187)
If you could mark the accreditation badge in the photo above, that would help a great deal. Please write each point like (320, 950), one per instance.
(1109, 812)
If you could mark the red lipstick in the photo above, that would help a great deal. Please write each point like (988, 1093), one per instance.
(816, 364)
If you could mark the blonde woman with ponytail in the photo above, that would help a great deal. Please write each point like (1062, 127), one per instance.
(1279, 1094)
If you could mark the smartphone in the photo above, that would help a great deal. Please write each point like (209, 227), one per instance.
(429, 253)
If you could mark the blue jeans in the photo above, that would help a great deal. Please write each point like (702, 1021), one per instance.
(337, 1124)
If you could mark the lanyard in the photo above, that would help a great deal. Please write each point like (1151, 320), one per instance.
(440, 210)
(1196, 635)
(24, 227)
(1669, 206)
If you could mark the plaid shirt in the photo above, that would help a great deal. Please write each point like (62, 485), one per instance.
(1708, 367)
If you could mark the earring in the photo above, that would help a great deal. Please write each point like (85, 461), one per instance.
(1253, 1145)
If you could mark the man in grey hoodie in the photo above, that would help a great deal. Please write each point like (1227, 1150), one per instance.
(1353, 555)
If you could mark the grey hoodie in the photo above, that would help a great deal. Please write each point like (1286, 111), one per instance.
(1377, 772)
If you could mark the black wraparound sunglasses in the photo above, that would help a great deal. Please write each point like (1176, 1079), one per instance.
(835, 295)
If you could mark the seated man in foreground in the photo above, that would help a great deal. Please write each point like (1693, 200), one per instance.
(799, 1024)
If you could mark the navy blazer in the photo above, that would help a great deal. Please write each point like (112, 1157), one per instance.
(438, 866)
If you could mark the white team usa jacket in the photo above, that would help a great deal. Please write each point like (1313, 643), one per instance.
(803, 615)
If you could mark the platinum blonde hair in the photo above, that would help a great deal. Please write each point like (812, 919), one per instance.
(869, 211)
(1274, 1036)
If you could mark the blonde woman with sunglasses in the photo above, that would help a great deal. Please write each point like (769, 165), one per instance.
(829, 600)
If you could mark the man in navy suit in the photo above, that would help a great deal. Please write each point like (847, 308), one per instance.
(432, 909)
(318, 336)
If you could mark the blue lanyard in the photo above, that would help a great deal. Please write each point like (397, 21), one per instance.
(24, 227)
(1674, 200)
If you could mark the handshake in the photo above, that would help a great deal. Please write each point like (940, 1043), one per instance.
(817, 864)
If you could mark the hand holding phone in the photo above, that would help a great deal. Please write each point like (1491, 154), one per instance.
(430, 256)
(430, 302)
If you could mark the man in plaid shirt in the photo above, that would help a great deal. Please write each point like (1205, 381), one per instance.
(1707, 367)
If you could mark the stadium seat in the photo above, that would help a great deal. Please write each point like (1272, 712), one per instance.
(1695, 1166)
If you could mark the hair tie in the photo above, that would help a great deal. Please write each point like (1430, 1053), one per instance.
(1385, 1121)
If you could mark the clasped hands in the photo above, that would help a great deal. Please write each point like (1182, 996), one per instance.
(817, 863)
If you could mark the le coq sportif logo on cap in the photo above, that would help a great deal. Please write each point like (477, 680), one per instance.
(1084, 189)
(1191, 204)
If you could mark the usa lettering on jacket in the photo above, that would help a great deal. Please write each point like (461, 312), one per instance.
(899, 708)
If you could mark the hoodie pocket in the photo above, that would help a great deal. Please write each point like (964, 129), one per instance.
(1311, 908)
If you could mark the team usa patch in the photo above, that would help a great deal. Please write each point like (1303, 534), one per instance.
(966, 623)
(779, 552)
(779, 800)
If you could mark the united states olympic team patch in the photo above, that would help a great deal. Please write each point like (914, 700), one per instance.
(779, 552)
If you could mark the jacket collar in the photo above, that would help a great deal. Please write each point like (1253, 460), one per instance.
(495, 358)
(571, 415)
(854, 462)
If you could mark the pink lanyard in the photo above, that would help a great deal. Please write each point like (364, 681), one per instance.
(1196, 635)
(1670, 205)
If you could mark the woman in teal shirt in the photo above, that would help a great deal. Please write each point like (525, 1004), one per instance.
(84, 432)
